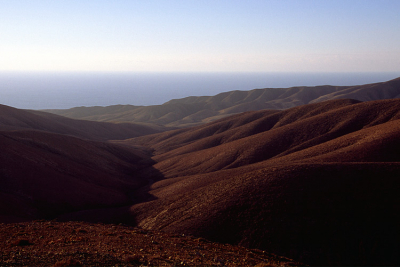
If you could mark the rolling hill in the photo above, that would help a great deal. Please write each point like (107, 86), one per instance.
(17, 119)
(191, 111)
(44, 175)
(317, 183)
(50, 164)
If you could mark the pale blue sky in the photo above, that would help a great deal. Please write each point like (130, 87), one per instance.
(261, 36)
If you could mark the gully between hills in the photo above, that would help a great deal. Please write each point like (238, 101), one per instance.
(317, 183)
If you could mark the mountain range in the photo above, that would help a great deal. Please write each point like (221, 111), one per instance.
(314, 179)
(191, 111)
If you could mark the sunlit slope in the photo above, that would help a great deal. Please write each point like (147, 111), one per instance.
(258, 136)
(192, 111)
(315, 183)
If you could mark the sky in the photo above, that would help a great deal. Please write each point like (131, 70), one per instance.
(200, 36)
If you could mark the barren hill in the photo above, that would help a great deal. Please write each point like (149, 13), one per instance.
(192, 110)
(263, 135)
(17, 119)
(317, 183)
(50, 164)
(44, 175)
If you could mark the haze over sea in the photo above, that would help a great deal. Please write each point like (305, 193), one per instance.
(61, 90)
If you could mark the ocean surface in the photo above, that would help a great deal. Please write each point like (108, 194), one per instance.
(30, 90)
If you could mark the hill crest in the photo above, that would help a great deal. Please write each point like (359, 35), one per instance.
(191, 111)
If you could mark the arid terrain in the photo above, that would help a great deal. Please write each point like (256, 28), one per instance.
(84, 244)
(316, 183)
(191, 111)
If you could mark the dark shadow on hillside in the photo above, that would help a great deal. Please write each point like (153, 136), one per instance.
(340, 214)
(47, 176)
(119, 214)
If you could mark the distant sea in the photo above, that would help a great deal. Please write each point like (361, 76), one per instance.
(30, 90)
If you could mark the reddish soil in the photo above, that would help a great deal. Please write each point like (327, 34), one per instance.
(316, 183)
(84, 244)
(300, 183)
(261, 136)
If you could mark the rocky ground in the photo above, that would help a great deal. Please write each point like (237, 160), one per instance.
(49, 243)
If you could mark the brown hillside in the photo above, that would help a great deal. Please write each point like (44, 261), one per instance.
(205, 149)
(17, 119)
(323, 214)
(44, 175)
(317, 183)
(368, 92)
(193, 111)
(233, 127)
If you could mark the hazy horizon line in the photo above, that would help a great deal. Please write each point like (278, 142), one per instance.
(189, 72)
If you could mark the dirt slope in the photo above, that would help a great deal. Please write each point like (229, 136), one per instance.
(323, 214)
(17, 119)
(257, 136)
(193, 111)
(317, 183)
(43, 175)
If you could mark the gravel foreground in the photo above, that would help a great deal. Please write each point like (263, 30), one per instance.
(50, 243)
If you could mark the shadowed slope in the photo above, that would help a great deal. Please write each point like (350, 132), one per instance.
(17, 119)
(44, 175)
(192, 111)
(340, 214)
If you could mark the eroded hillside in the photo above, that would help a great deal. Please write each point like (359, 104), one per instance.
(191, 111)
(317, 183)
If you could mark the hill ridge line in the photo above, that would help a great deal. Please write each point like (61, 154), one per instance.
(196, 110)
